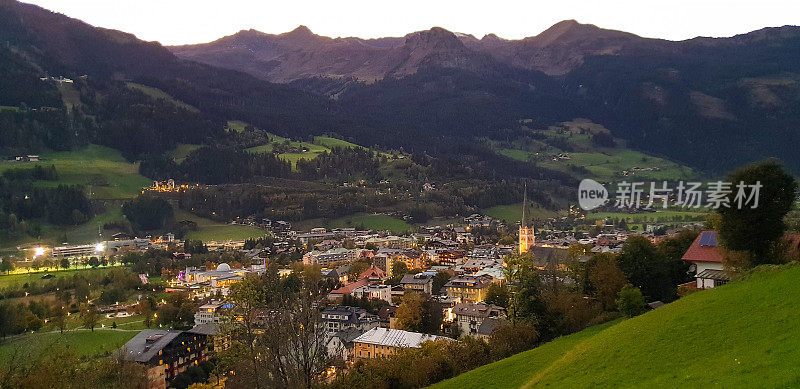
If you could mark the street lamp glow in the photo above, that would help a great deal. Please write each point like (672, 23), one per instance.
(38, 252)
(99, 247)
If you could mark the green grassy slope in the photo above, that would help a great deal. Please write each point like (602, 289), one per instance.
(209, 230)
(741, 334)
(515, 371)
(160, 94)
(82, 342)
(102, 170)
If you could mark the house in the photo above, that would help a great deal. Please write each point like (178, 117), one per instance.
(447, 304)
(470, 317)
(708, 261)
(338, 318)
(487, 327)
(373, 275)
(340, 344)
(338, 294)
(165, 353)
(421, 282)
(468, 288)
(380, 292)
(383, 342)
(211, 312)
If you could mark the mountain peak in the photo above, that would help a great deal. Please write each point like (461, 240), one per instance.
(301, 30)
(436, 37)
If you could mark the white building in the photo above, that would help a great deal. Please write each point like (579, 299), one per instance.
(381, 292)
(708, 261)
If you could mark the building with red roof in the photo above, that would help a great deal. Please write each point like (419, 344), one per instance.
(708, 261)
(347, 289)
(373, 274)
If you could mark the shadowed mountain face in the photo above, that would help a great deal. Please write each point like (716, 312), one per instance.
(302, 54)
(713, 104)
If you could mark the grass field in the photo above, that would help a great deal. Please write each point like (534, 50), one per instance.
(604, 163)
(209, 230)
(19, 279)
(513, 213)
(332, 143)
(182, 151)
(160, 94)
(523, 365)
(101, 169)
(320, 145)
(609, 164)
(743, 334)
(312, 152)
(236, 125)
(82, 342)
(371, 222)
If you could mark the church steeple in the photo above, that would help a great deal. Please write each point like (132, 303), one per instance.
(526, 235)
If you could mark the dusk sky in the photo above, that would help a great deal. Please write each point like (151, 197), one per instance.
(194, 21)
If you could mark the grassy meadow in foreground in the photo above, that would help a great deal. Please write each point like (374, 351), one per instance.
(743, 334)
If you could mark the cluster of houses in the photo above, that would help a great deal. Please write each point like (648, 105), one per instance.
(353, 333)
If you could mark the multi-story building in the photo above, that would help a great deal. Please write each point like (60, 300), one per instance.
(330, 257)
(381, 292)
(212, 312)
(341, 317)
(166, 353)
(421, 282)
(382, 342)
(468, 288)
(470, 316)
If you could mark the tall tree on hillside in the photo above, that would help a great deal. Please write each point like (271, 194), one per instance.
(90, 316)
(673, 249)
(419, 313)
(59, 316)
(525, 286)
(757, 229)
(607, 279)
(646, 268)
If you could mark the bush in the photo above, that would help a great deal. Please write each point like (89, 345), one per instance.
(630, 302)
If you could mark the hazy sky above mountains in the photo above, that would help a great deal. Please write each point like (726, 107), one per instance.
(195, 21)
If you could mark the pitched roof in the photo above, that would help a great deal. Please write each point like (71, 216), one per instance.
(146, 344)
(719, 275)
(420, 278)
(373, 271)
(205, 329)
(488, 326)
(468, 281)
(349, 288)
(481, 310)
(396, 338)
(705, 249)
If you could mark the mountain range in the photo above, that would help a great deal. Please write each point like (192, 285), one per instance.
(301, 54)
(711, 103)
